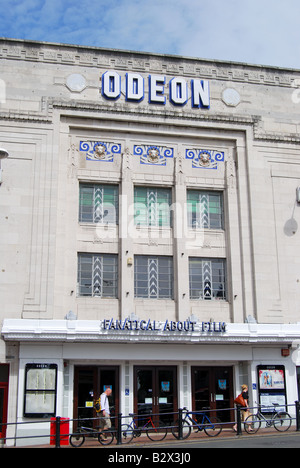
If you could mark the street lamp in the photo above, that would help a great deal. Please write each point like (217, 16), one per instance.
(3, 155)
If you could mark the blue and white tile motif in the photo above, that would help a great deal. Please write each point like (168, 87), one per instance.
(154, 155)
(204, 159)
(100, 150)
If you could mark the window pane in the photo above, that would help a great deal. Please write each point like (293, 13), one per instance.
(152, 206)
(153, 277)
(207, 279)
(204, 209)
(98, 203)
(86, 203)
(98, 275)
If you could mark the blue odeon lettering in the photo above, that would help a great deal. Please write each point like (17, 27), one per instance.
(168, 325)
(134, 89)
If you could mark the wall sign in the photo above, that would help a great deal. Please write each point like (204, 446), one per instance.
(167, 326)
(271, 387)
(40, 390)
(180, 90)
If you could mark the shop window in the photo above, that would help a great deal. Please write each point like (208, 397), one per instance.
(40, 390)
(152, 206)
(98, 203)
(153, 277)
(204, 209)
(98, 275)
(207, 278)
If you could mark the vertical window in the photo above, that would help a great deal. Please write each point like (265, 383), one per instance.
(205, 209)
(153, 277)
(152, 206)
(98, 275)
(40, 390)
(98, 203)
(207, 278)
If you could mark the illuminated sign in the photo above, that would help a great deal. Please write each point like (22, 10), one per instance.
(133, 87)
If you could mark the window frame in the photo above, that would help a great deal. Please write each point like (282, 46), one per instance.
(200, 222)
(199, 284)
(38, 391)
(157, 210)
(164, 278)
(91, 275)
(98, 215)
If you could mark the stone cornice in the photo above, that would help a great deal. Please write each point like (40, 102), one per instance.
(67, 54)
(72, 108)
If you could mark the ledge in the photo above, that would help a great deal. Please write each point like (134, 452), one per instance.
(87, 331)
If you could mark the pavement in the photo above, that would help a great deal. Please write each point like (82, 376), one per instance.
(227, 438)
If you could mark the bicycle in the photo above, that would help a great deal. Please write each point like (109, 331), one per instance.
(77, 439)
(281, 420)
(211, 425)
(154, 431)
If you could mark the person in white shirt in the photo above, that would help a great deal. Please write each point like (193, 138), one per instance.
(105, 422)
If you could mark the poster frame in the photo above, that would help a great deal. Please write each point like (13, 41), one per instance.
(273, 391)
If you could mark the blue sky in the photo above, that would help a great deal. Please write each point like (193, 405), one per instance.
(255, 31)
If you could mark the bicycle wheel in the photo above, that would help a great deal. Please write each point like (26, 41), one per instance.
(212, 426)
(282, 421)
(106, 437)
(156, 431)
(76, 440)
(186, 430)
(252, 424)
(127, 433)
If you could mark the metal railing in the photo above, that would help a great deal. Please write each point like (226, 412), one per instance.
(56, 436)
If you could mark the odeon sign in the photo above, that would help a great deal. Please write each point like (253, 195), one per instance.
(180, 91)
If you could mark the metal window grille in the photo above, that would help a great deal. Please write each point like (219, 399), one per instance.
(207, 279)
(205, 209)
(153, 277)
(152, 206)
(98, 203)
(98, 275)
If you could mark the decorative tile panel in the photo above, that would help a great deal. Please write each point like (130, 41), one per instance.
(153, 155)
(204, 159)
(100, 150)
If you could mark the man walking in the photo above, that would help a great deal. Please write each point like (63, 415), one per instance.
(105, 422)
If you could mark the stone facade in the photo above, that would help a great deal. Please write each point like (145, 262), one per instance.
(53, 111)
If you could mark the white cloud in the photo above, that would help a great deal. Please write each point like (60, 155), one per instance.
(256, 31)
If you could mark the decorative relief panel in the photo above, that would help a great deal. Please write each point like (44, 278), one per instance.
(100, 150)
(204, 159)
(154, 155)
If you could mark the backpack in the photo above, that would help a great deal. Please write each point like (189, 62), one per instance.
(97, 405)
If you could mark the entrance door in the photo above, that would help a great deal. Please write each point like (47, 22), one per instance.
(212, 388)
(89, 383)
(156, 392)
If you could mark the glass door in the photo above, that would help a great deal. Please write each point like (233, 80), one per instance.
(156, 392)
(201, 389)
(223, 393)
(89, 383)
(144, 394)
(166, 394)
(212, 388)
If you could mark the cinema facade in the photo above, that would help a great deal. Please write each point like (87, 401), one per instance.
(149, 233)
